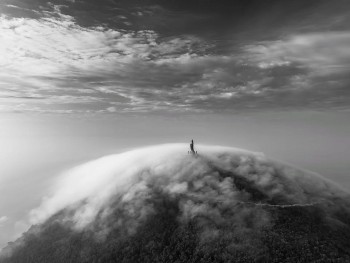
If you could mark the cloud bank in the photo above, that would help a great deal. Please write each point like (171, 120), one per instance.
(224, 196)
(218, 176)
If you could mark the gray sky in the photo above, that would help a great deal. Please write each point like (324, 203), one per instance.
(82, 79)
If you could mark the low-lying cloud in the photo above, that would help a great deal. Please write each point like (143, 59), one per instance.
(221, 196)
(210, 184)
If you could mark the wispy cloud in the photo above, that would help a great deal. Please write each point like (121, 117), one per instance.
(324, 53)
(61, 62)
(314, 66)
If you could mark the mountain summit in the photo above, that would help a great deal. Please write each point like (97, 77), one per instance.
(160, 204)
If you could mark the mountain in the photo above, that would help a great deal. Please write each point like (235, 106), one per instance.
(161, 204)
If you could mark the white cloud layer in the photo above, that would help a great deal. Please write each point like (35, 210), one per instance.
(90, 188)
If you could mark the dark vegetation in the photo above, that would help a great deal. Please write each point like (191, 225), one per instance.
(298, 234)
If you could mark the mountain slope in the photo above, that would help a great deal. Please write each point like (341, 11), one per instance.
(159, 204)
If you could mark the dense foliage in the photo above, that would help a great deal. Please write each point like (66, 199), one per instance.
(298, 234)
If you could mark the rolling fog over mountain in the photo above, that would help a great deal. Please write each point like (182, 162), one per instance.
(160, 204)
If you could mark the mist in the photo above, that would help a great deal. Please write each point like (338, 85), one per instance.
(217, 179)
(221, 195)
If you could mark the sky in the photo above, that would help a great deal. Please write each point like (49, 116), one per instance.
(80, 79)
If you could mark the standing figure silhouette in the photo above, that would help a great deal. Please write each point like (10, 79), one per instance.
(192, 147)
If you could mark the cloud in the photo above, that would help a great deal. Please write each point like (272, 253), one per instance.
(53, 57)
(312, 69)
(111, 109)
(56, 62)
(323, 53)
(3, 220)
(218, 179)
(222, 194)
